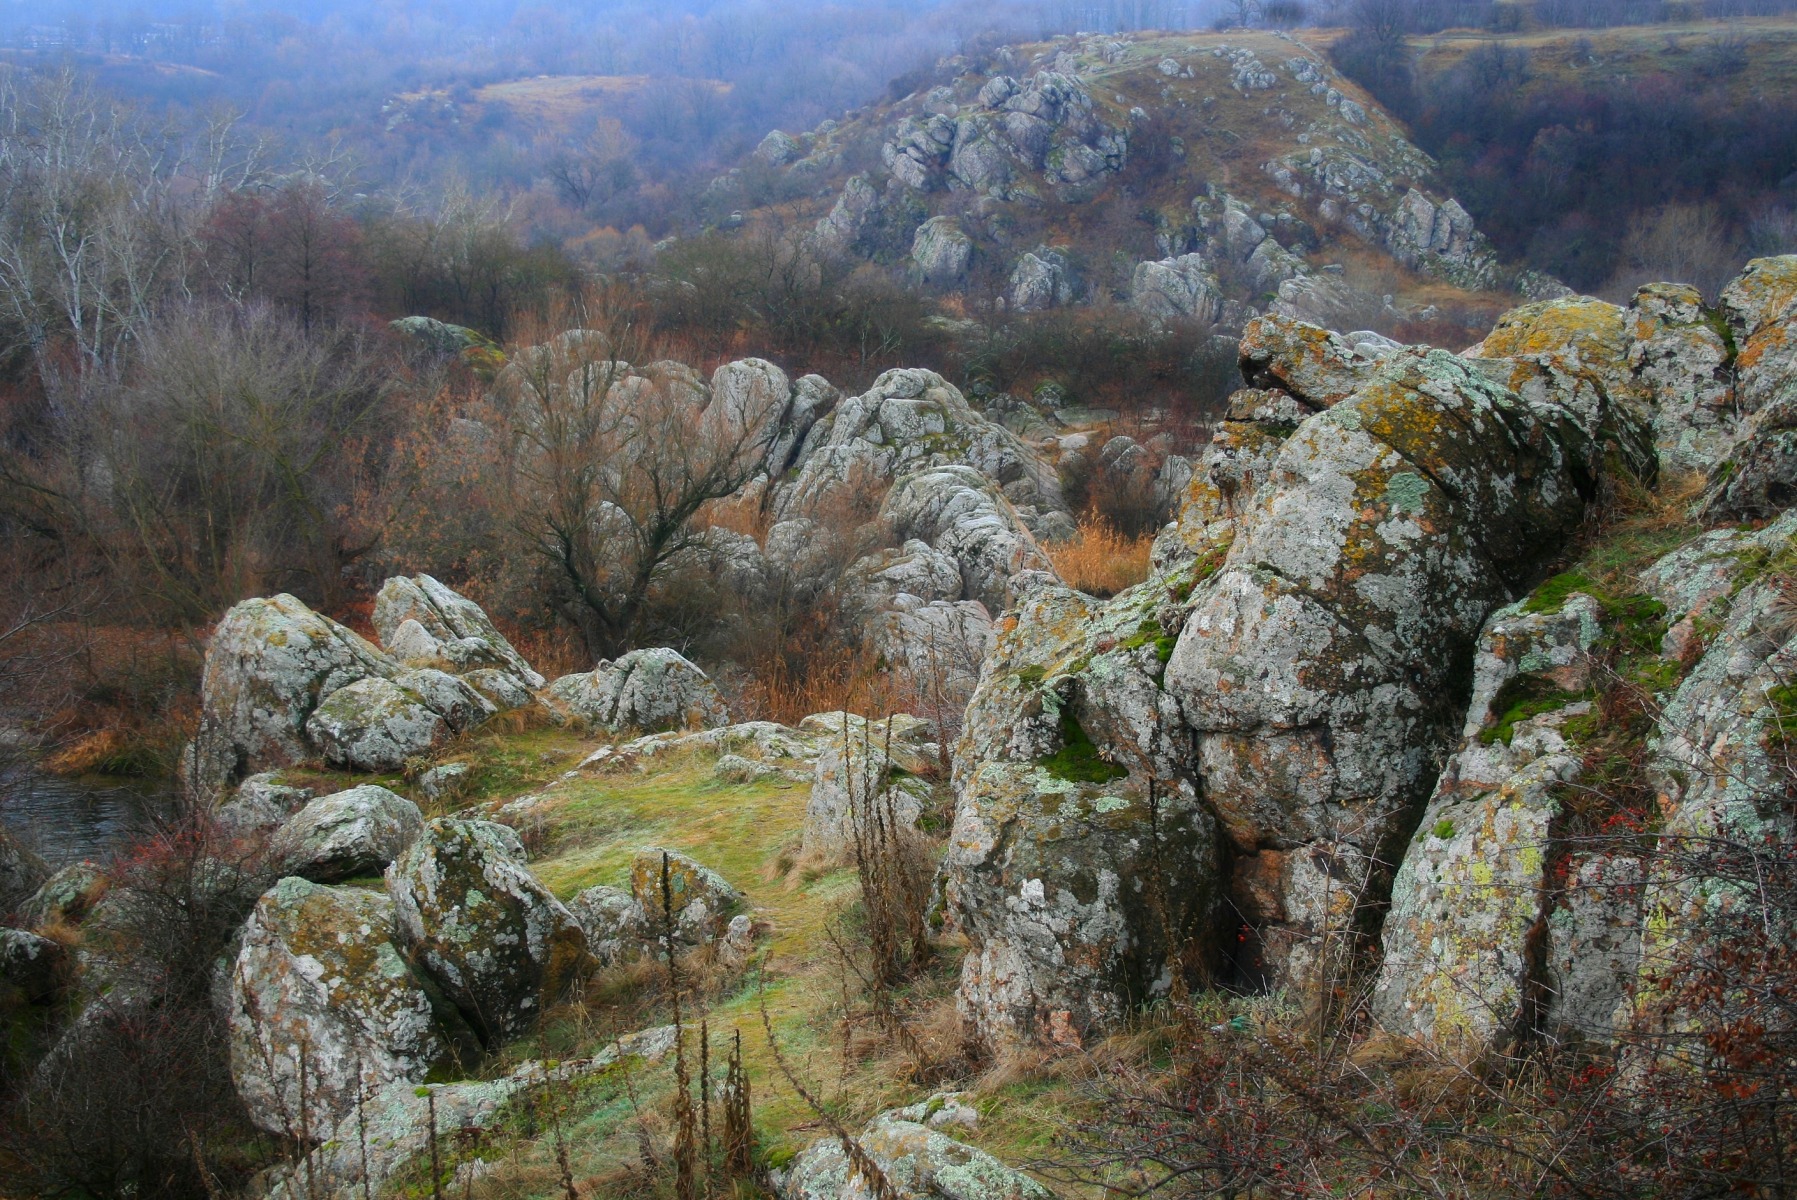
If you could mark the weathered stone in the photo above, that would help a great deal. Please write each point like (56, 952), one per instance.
(377, 724)
(270, 664)
(700, 900)
(1038, 281)
(616, 927)
(444, 781)
(472, 915)
(324, 1008)
(1319, 666)
(645, 690)
(867, 769)
(261, 803)
(918, 1163)
(1080, 844)
(957, 511)
(457, 633)
(350, 833)
(1177, 288)
(394, 1127)
(1314, 366)
(941, 252)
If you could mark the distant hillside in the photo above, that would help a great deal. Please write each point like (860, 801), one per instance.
(1610, 157)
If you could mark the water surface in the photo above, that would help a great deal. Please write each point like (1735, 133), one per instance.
(68, 820)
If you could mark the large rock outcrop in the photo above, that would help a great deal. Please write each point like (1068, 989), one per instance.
(376, 724)
(471, 914)
(324, 1009)
(1321, 670)
(1081, 848)
(270, 665)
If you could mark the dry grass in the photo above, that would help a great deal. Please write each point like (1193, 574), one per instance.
(1100, 560)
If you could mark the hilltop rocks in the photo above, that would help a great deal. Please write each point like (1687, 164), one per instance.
(447, 630)
(919, 1163)
(271, 663)
(323, 1007)
(65, 898)
(492, 936)
(1080, 844)
(645, 690)
(356, 832)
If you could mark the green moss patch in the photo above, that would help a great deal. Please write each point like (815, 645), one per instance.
(1077, 761)
(1526, 696)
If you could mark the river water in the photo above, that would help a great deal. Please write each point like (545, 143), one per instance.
(68, 820)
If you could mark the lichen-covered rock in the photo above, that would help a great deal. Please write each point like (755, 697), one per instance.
(1177, 288)
(270, 665)
(1759, 477)
(323, 1007)
(1080, 842)
(941, 252)
(1720, 766)
(1314, 366)
(1318, 667)
(907, 422)
(452, 632)
(1680, 357)
(1441, 240)
(1039, 281)
(645, 690)
(866, 769)
(700, 900)
(918, 1162)
(937, 645)
(471, 914)
(376, 724)
(261, 803)
(65, 897)
(616, 927)
(349, 833)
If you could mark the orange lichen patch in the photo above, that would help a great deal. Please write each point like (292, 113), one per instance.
(1575, 330)
(1767, 289)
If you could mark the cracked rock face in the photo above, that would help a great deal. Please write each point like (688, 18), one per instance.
(1322, 669)
(349, 833)
(451, 631)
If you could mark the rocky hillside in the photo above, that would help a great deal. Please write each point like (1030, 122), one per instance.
(1205, 177)
(1461, 683)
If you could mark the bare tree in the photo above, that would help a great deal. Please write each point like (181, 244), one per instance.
(606, 467)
